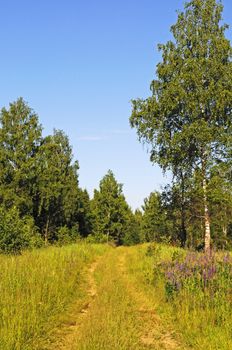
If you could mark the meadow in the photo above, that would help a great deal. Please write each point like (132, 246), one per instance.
(148, 296)
(37, 288)
(193, 292)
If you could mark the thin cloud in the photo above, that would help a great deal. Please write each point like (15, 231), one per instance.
(120, 132)
(92, 138)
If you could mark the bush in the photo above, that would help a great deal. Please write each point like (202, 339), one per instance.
(63, 235)
(31, 233)
(66, 235)
(97, 238)
(12, 236)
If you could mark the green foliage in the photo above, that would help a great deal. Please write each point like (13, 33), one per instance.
(56, 186)
(84, 213)
(40, 180)
(112, 215)
(13, 238)
(154, 219)
(187, 120)
(66, 235)
(184, 210)
(20, 136)
(31, 233)
(17, 233)
(97, 238)
(63, 235)
(190, 107)
(220, 199)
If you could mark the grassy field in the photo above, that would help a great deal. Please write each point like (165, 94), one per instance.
(123, 316)
(200, 313)
(36, 290)
(94, 297)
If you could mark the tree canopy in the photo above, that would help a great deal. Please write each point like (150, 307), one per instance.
(112, 215)
(187, 120)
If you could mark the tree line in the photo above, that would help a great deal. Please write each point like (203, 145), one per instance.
(187, 125)
(41, 201)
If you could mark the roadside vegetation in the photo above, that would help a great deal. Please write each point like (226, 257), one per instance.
(37, 289)
(192, 292)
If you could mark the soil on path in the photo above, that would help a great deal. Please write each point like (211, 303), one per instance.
(117, 315)
(67, 333)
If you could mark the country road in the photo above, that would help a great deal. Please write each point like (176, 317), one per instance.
(117, 313)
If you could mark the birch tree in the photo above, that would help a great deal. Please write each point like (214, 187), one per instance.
(188, 119)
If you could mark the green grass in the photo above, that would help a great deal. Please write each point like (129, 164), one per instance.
(43, 293)
(191, 314)
(123, 317)
(36, 288)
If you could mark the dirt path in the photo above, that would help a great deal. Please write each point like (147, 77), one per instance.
(67, 334)
(153, 334)
(118, 315)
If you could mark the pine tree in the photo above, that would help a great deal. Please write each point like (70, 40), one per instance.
(154, 219)
(110, 209)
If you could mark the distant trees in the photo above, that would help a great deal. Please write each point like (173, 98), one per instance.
(154, 219)
(40, 198)
(187, 120)
(84, 213)
(162, 219)
(56, 188)
(113, 219)
(134, 233)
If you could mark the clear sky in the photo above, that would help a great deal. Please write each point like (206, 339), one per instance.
(78, 63)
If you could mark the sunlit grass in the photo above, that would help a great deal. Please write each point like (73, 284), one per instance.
(202, 320)
(35, 288)
(123, 317)
(131, 309)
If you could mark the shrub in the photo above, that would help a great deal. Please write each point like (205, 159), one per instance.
(96, 238)
(12, 236)
(66, 235)
(31, 233)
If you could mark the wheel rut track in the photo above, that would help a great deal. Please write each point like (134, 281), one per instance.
(70, 329)
(88, 326)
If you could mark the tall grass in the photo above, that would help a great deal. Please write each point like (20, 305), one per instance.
(36, 287)
(122, 317)
(195, 293)
(111, 322)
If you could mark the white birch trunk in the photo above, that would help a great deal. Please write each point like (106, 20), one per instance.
(206, 217)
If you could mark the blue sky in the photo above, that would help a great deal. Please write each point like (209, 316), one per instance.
(78, 64)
